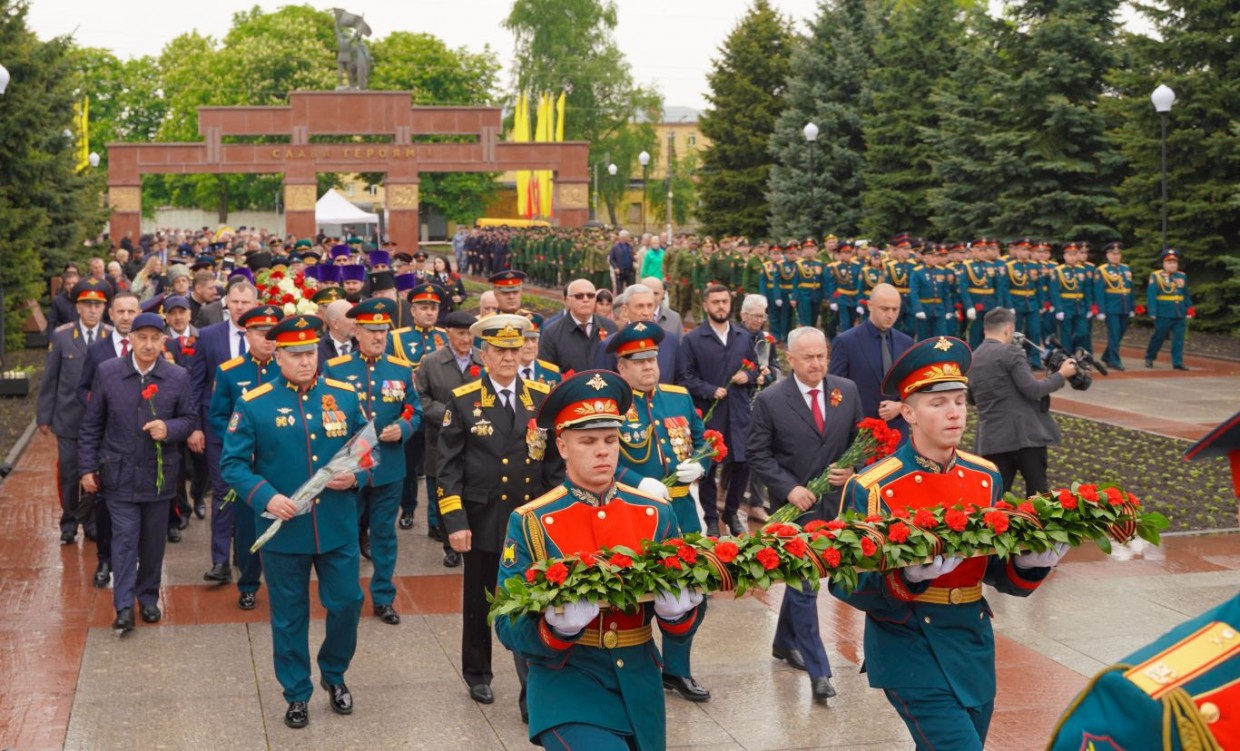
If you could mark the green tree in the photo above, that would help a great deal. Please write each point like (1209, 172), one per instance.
(916, 54)
(47, 208)
(830, 87)
(1197, 54)
(747, 85)
(684, 189)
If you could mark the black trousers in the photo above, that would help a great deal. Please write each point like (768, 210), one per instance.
(68, 485)
(481, 572)
(415, 457)
(1030, 462)
(708, 489)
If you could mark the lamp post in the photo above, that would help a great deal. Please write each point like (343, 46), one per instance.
(1163, 97)
(4, 79)
(93, 159)
(644, 158)
(810, 131)
(671, 166)
(4, 85)
(611, 170)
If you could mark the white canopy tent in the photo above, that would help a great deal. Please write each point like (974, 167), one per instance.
(334, 208)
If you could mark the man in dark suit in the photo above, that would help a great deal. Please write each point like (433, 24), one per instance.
(484, 433)
(800, 426)
(204, 308)
(572, 341)
(141, 409)
(864, 354)
(217, 344)
(441, 372)
(1015, 425)
(58, 410)
(642, 307)
(64, 305)
(668, 319)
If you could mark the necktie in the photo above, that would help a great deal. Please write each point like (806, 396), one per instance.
(585, 329)
(509, 416)
(240, 342)
(816, 408)
(527, 374)
(90, 337)
(125, 347)
(181, 340)
(886, 351)
(344, 348)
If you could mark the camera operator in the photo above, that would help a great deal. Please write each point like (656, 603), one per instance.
(1015, 424)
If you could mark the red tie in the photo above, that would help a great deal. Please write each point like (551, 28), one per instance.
(817, 410)
(124, 348)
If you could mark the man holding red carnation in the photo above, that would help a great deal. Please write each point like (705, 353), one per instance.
(928, 638)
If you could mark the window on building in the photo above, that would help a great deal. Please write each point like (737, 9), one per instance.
(692, 140)
(373, 190)
(635, 213)
(348, 189)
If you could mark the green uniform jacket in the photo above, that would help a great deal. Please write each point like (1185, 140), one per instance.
(662, 429)
(412, 343)
(384, 388)
(233, 380)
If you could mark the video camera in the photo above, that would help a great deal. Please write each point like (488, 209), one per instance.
(1054, 354)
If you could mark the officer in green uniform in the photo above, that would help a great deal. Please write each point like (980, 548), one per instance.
(660, 432)
(384, 385)
(809, 283)
(1170, 305)
(594, 679)
(1116, 301)
(978, 289)
(529, 367)
(928, 638)
(278, 436)
(900, 268)
(1023, 292)
(1072, 292)
(842, 285)
(873, 273)
(930, 296)
(233, 380)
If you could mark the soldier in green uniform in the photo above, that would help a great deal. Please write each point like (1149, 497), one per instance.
(1170, 305)
(900, 268)
(384, 385)
(978, 287)
(1023, 292)
(278, 436)
(661, 431)
(809, 284)
(1116, 301)
(842, 285)
(594, 679)
(233, 380)
(873, 273)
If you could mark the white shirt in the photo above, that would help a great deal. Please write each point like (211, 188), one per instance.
(339, 345)
(821, 396)
(724, 336)
(142, 372)
(86, 333)
(526, 372)
(588, 323)
(512, 392)
(234, 341)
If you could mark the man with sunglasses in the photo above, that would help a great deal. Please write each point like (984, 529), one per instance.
(571, 342)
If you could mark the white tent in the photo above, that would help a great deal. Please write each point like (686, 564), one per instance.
(334, 208)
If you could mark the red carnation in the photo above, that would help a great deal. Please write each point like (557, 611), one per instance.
(407, 413)
(996, 520)
(874, 518)
(531, 575)
(671, 562)
(687, 554)
(924, 519)
(474, 371)
(150, 391)
(781, 530)
(796, 547)
(557, 573)
(1089, 492)
(956, 520)
(674, 542)
(620, 560)
(969, 508)
(768, 558)
(726, 552)
(1003, 505)
(747, 365)
(831, 556)
(587, 559)
(822, 533)
(1133, 500)
(836, 524)
(815, 524)
(1114, 496)
(868, 548)
(898, 532)
(1065, 495)
(900, 513)
(1027, 508)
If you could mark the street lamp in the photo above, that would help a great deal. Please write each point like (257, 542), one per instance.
(810, 131)
(1163, 97)
(644, 158)
(611, 170)
(93, 159)
(4, 78)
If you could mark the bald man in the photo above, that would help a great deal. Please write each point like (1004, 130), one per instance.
(340, 331)
(864, 354)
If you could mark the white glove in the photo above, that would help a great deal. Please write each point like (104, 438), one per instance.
(933, 570)
(835, 306)
(671, 607)
(860, 310)
(651, 486)
(1089, 315)
(1059, 316)
(1132, 314)
(575, 616)
(971, 314)
(920, 315)
(687, 472)
(779, 303)
(1102, 316)
(1045, 559)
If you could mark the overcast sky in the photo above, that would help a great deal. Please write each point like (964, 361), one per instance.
(669, 43)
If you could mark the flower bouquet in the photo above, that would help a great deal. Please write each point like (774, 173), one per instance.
(874, 441)
(291, 293)
(360, 452)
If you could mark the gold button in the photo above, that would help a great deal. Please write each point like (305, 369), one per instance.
(505, 461)
(527, 481)
(313, 436)
(504, 478)
(503, 497)
(614, 626)
(916, 478)
(309, 417)
(527, 496)
(305, 398)
(611, 639)
(314, 458)
(317, 500)
(960, 473)
(981, 616)
(985, 483)
(549, 520)
(649, 511)
(890, 492)
(926, 619)
(1210, 713)
(619, 663)
(527, 461)
(602, 514)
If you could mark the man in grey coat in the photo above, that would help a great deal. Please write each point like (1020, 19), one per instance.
(1015, 425)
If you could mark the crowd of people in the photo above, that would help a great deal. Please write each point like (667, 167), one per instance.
(175, 392)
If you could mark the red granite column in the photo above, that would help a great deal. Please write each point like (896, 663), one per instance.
(402, 219)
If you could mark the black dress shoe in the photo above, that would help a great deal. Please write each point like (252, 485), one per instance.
(791, 656)
(338, 696)
(387, 614)
(183, 522)
(247, 601)
(1149, 363)
(363, 547)
(174, 534)
(220, 573)
(406, 521)
(451, 559)
(1118, 366)
(68, 537)
(686, 687)
(90, 533)
(434, 533)
(481, 694)
(200, 511)
(735, 528)
(712, 529)
(124, 621)
(1180, 367)
(823, 690)
(151, 614)
(103, 575)
(297, 715)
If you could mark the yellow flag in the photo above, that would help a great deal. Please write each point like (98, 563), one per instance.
(81, 127)
(560, 106)
(521, 134)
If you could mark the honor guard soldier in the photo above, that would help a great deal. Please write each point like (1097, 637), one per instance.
(1116, 301)
(842, 285)
(939, 674)
(978, 289)
(594, 679)
(809, 284)
(1041, 255)
(233, 380)
(900, 268)
(484, 434)
(280, 434)
(930, 295)
(1072, 291)
(768, 286)
(788, 276)
(661, 431)
(1024, 284)
(529, 367)
(873, 273)
(1170, 305)
(384, 386)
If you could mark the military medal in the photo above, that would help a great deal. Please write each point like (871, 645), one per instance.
(836, 397)
(536, 441)
(393, 391)
(482, 428)
(679, 435)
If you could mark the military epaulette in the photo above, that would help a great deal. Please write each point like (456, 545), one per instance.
(974, 458)
(542, 500)
(1185, 660)
(468, 388)
(641, 493)
(400, 330)
(672, 388)
(65, 326)
(549, 366)
(339, 384)
(876, 474)
(440, 330)
(257, 392)
(538, 386)
(230, 364)
(339, 360)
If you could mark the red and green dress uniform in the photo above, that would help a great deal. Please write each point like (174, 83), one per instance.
(768, 287)
(1072, 294)
(787, 277)
(871, 277)
(1023, 293)
(842, 286)
(277, 437)
(1116, 299)
(900, 274)
(809, 288)
(979, 292)
(1169, 303)
(930, 293)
